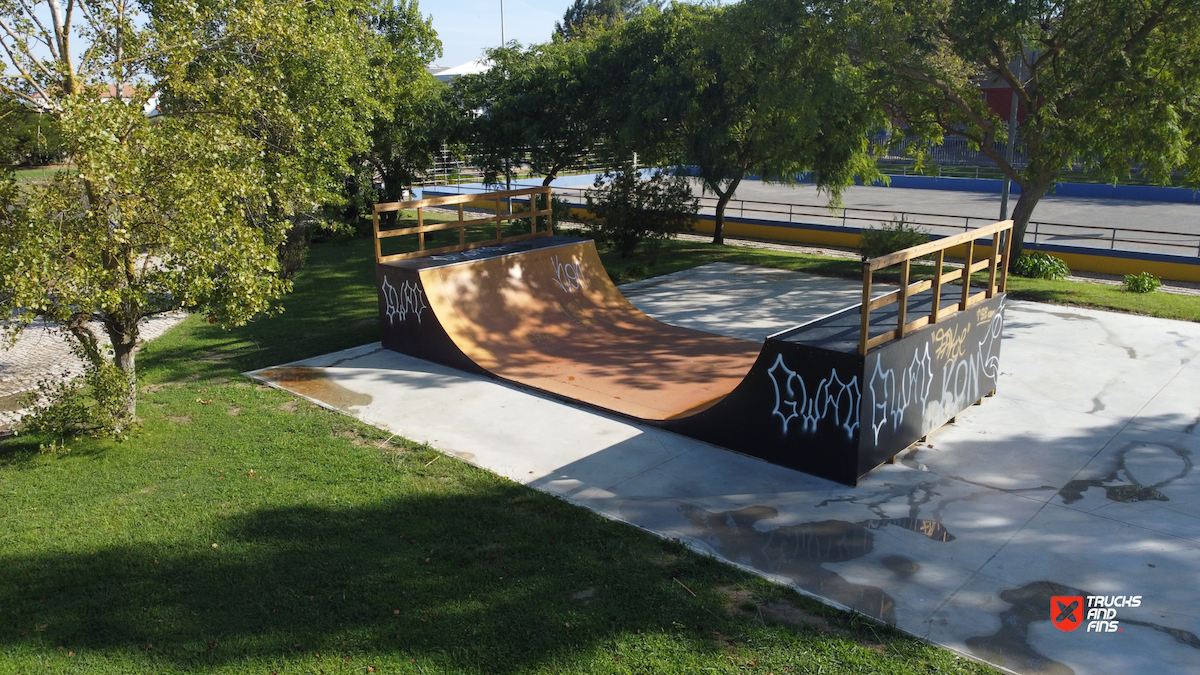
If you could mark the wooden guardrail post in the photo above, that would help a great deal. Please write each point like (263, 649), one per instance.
(997, 264)
(864, 331)
(422, 227)
(1004, 268)
(937, 285)
(968, 260)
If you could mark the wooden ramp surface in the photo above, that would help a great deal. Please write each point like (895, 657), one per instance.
(551, 318)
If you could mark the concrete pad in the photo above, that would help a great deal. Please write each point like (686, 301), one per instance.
(1074, 479)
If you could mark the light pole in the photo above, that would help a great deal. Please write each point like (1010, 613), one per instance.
(501, 23)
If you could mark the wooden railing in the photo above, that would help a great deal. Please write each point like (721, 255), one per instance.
(996, 263)
(499, 198)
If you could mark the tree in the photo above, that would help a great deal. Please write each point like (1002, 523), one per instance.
(536, 101)
(762, 87)
(262, 103)
(1107, 84)
(416, 116)
(28, 137)
(584, 17)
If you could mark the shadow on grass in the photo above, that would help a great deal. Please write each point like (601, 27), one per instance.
(332, 307)
(424, 578)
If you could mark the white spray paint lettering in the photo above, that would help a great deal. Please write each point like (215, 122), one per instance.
(891, 396)
(400, 303)
(831, 397)
(566, 275)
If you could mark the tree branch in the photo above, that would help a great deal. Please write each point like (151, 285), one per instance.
(47, 37)
(25, 50)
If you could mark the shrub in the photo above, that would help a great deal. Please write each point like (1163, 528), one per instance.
(92, 404)
(1038, 265)
(1143, 282)
(629, 210)
(890, 237)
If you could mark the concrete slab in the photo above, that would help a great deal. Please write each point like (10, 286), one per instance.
(1074, 479)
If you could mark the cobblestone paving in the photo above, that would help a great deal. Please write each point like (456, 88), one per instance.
(41, 352)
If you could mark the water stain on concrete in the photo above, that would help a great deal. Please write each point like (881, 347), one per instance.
(1128, 488)
(902, 567)
(314, 383)
(1073, 492)
(799, 552)
(1009, 647)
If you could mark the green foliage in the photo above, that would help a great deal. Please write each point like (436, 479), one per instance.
(630, 209)
(92, 404)
(416, 116)
(537, 102)
(1039, 265)
(587, 17)
(1143, 282)
(208, 206)
(1105, 84)
(759, 87)
(28, 137)
(891, 237)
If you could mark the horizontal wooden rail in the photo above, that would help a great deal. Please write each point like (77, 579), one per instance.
(996, 263)
(501, 217)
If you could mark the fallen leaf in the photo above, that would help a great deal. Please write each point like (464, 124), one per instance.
(396, 612)
(214, 545)
(204, 401)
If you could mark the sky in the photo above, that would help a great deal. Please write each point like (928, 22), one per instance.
(467, 27)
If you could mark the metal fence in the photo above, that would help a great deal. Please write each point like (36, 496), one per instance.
(1037, 232)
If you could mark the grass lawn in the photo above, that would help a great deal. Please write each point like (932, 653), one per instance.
(246, 531)
(678, 255)
(40, 174)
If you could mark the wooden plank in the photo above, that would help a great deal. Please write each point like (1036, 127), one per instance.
(499, 223)
(940, 244)
(436, 227)
(885, 299)
(549, 210)
(915, 324)
(462, 230)
(937, 285)
(1004, 265)
(880, 339)
(966, 276)
(991, 287)
(977, 298)
(948, 312)
(420, 231)
(919, 286)
(864, 311)
(467, 247)
(979, 265)
(902, 310)
(952, 276)
(375, 224)
(454, 199)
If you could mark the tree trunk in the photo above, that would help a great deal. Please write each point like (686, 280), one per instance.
(1030, 195)
(723, 201)
(124, 341)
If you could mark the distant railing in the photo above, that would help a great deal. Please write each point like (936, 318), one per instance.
(996, 264)
(1037, 232)
(501, 217)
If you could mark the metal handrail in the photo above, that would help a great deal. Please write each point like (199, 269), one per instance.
(499, 219)
(1033, 233)
(996, 264)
